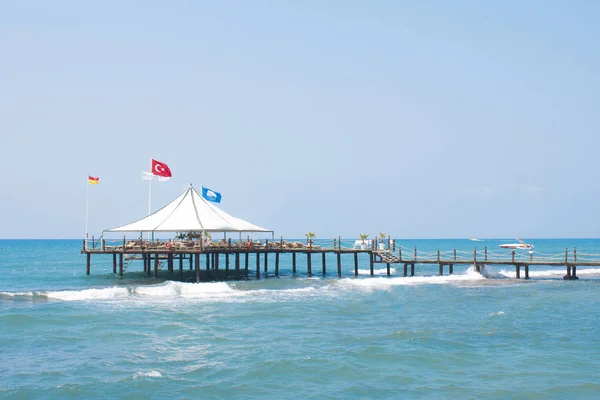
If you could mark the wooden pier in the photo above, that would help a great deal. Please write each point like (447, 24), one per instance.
(236, 255)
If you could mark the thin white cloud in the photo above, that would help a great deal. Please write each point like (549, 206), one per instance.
(532, 190)
(483, 190)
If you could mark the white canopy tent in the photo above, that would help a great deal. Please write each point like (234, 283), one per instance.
(190, 212)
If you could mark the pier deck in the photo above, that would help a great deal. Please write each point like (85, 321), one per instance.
(152, 255)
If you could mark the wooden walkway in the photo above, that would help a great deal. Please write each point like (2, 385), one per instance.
(235, 258)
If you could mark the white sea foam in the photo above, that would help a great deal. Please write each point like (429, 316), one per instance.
(165, 290)
(207, 290)
(256, 290)
(89, 294)
(490, 273)
(149, 374)
(536, 272)
(587, 271)
(287, 294)
(16, 294)
(496, 314)
(384, 282)
(380, 271)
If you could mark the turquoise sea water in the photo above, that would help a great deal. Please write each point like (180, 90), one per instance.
(65, 335)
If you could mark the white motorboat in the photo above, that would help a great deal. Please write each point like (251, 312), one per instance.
(521, 245)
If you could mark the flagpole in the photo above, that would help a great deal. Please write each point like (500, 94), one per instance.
(150, 193)
(87, 196)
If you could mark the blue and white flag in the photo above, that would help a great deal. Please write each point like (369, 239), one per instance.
(211, 195)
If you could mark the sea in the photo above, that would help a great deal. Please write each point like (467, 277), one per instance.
(470, 335)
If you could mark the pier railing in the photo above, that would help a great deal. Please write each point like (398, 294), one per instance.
(402, 254)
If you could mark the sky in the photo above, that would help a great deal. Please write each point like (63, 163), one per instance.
(421, 119)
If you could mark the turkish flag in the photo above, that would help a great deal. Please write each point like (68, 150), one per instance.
(160, 169)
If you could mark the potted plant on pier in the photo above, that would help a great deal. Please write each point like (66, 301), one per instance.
(309, 237)
(382, 237)
(363, 245)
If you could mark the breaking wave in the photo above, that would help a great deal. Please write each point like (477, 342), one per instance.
(283, 288)
(149, 374)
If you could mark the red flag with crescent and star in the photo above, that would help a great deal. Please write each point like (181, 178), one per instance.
(160, 169)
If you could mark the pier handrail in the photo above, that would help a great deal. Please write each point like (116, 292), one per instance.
(402, 253)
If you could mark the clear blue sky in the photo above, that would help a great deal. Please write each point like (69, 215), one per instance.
(423, 119)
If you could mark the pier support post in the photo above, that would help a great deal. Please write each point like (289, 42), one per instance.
(237, 265)
(324, 263)
(387, 266)
(527, 271)
(216, 258)
(257, 265)
(450, 269)
(170, 262)
(371, 263)
(309, 263)
(294, 262)
(518, 271)
(156, 265)
(412, 269)
(441, 269)
(88, 263)
(121, 265)
(246, 263)
(405, 269)
(266, 262)
(277, 264)
(207, 265)
(227, 265)
(191, 262)
(115, 263)
(197, 265)
(339, 264)
(571, 273)
(355, 264)
(181, 266)
(149, 271)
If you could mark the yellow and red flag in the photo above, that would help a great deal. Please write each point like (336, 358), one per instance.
(92, 180)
